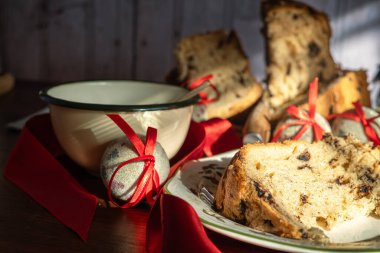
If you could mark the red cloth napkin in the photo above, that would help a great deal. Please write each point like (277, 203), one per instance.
(220, 137)
(173, 226)
(35, 167)
(171, 214)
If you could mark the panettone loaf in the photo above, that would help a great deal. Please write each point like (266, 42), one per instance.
(348, 87)
(339, 95)
(218, 53)
(336, 97)
(293, 188)
(297, 49)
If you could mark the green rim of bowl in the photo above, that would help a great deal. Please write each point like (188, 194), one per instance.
(102, 107)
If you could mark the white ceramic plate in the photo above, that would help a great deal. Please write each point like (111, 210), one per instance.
(206, 172)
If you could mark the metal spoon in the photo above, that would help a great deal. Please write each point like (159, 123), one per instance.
(191, 93)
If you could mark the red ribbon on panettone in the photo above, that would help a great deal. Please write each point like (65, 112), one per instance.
(148, 184)
(359, 116)
(203, 95)
(304, 119)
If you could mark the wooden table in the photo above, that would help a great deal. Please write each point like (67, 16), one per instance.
(25, 226)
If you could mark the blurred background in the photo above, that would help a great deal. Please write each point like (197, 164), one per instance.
(66, 40)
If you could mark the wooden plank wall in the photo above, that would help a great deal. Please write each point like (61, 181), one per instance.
(65, 40)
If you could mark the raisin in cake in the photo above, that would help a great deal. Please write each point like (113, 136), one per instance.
(297, 49)
(293, 188)
(218, 53)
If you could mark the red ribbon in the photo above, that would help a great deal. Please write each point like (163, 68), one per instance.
(203, 95)
(305, 119)
(360, 116)
(148, 184)
(221, 137)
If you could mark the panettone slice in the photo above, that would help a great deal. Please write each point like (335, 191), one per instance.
(218, 53)
(295, 188)
(297, 49)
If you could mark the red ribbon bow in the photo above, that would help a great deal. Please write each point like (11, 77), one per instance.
(360, 116)
(305, 119)
(148, 184)
(203, 95)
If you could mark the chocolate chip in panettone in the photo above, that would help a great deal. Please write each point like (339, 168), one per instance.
(367, 175)
(327, 137)
(305, 235)
(303, 199)
(268, 79)
(369, 178)
(321, 77)
(241, 79)
(268, 222)
(268, 197)
(304, 166)
(331, 109)
(242, 206)
(322, 63)
(288, 69)
(363, 190)
(260, 192)
(304, 156)
(220, 44)
(314, 49)
(191, 66)
(299, 86)
(334, 162)
(346, 165)
(190, 58)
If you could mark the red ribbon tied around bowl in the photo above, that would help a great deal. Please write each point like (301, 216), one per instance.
(359, 116)
(203, 95)
(304, 119)
(148, 184)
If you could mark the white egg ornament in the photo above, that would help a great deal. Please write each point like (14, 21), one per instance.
(291, 131)
(343, 126)
(125, 180)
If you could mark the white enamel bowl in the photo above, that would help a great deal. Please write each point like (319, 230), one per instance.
(78, 114)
